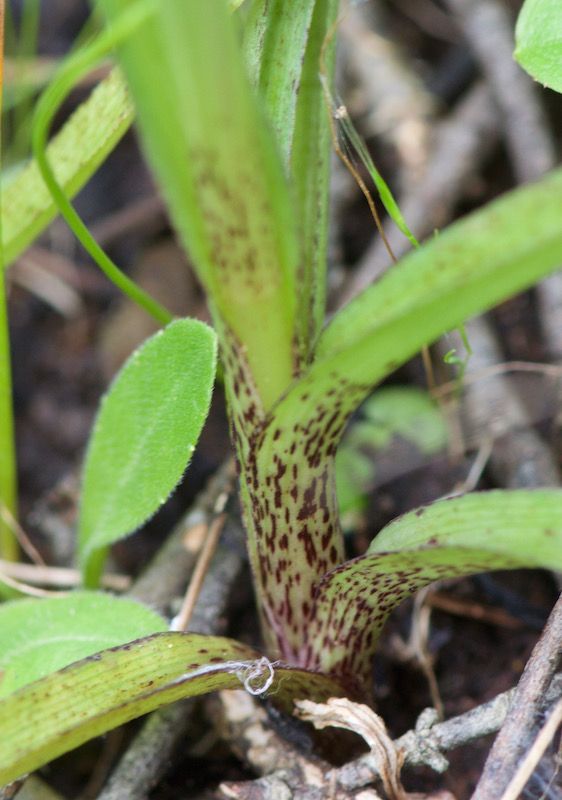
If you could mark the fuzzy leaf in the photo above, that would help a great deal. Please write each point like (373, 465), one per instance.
(454, 537)
(221, 175)
(76, 152)
(88, 698)
(144, 435)
(40, 636)
(538, 41)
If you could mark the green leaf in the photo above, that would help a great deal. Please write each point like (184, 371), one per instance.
(476, 262)
(221, 175)
(76, 152)
(144, 435)
(40, 636)
(453, 537)
(283, 53)
(88, 698)
(538, 41)
(275, 44)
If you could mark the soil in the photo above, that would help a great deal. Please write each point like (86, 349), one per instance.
(62, 363)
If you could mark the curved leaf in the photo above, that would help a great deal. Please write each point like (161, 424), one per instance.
(454, 537)
(538, 41)
(65, 709)
(40, 636)
(144, 435)
(76, 152)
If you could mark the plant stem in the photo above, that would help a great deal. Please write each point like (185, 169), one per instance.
(8, 492)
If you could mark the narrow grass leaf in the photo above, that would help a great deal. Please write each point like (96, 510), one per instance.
(76, 152)
(454, 537)
(38, 637)
(144, 435)
(538, 41)
(61, 711)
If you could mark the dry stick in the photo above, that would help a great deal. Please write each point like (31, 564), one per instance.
(488, 27)
(181, 622)
(544, 738)
(148, 756)
(37, 575)
(517, 731)
(283, 769)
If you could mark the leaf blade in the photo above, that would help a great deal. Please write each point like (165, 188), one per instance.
(229, 199)
(538, 41)
(144, 435)
(450, 538)
(40, 636)
(97, 694)
(76, 152)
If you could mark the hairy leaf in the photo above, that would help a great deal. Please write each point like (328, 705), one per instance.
(538, 41)
(144, 435)
(76, 152)
(88, 698)
(220, 174)
(40, 636)
(458, 536)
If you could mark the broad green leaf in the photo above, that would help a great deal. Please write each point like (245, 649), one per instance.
(453, 537)
(221, 175)
(476, 262)
(76, 152)
(88, 698)
(144, 435)
(538, 41)
(40, 636)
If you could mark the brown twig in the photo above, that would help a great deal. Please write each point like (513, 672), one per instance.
(526, 767)
(286, 772)
(489, 30)
(517, 732)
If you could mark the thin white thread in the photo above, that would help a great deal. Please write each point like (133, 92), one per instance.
(261, 670)
(247, 672)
